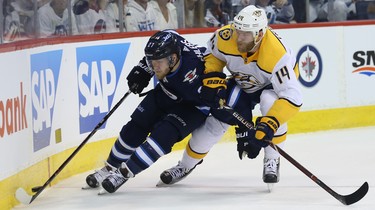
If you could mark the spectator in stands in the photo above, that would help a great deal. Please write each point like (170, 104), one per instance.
(90, 16)
(300, 11)
(278, 11)
(18, 18)
(53, 19)
(25, 11)
(194, 14)
(337, 10)
(165, 13)
(371, 10)
(140, 16)
(284, 11)
(238, 5)
(265, 4)
(113, 15)
(12, 24)
(215, 17)
(328, 10)
(227, 7)
(246, 3)
(363, 9)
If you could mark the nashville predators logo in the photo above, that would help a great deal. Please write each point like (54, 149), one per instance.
(225, 34)
(257, 13)
(246, 81)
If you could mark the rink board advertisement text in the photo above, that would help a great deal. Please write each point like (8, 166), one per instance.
(53, 96)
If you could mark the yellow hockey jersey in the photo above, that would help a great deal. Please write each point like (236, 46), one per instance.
(273, 63)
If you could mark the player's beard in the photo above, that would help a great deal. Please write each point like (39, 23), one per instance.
(161, 73)
(245, 47)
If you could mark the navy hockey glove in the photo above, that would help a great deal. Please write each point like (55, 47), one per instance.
(265, 128)
(139, 77)
(213, 90)
(246, 143)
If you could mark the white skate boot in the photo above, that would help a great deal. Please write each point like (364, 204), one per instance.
(116, 179)
(95, 179)
(271, 172)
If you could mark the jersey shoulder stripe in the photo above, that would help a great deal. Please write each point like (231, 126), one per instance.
(271, 50)
(226, 42)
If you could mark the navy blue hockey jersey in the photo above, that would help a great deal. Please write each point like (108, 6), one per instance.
(185, 83)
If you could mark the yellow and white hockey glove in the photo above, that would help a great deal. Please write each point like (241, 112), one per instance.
(265, 128)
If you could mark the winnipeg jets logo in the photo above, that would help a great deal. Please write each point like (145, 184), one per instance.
(190, 76)
(310, 65)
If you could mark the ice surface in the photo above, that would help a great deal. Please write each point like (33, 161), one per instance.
(342, 159)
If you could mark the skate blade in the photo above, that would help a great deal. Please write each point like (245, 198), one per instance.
(86, 187)
(270, 187)
(162, 184)
(102, 191)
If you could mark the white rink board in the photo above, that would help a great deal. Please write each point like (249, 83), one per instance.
(338, 87)
(359, 88)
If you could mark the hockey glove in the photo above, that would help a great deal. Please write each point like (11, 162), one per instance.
(265, 128)
(246, 143)
(213, 90)
(139, 77)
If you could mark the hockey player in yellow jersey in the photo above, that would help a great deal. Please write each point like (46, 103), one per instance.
(263, 71)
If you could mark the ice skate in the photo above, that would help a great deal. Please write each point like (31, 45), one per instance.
(175, 174)
(116, 179)
(271, 172)
(95, 179)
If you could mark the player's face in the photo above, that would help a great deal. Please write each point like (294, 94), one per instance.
(160, 67)
(245, 41)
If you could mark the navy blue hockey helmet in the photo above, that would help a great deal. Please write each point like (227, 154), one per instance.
(162, 45)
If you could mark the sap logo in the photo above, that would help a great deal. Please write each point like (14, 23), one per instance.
(45, 69)
(98, 72)
(101, 85)
(364, 62)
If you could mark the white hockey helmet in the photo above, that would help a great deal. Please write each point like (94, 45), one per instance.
(252, 19)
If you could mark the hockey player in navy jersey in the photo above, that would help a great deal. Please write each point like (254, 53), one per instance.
(168, 113)
(265, 72)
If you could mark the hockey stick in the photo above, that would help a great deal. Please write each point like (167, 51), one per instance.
(22, 195)
(344, 199)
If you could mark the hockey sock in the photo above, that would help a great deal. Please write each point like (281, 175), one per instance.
(120, 152)
(144, 156)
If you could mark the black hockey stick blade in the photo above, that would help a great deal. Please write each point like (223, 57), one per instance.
(36, 189)
(344, 199)
(354, 197)
(22, 195)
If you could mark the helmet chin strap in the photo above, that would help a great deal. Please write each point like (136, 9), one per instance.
(254, 48)
(171, 65)
(257, 39)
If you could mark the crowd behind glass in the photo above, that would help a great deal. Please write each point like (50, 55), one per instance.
(29, 19)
